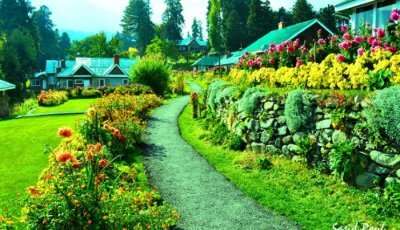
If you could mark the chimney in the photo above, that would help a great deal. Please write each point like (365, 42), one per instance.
(281, 25)
(116, 59)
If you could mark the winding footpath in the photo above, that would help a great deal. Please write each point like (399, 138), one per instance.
(204, 198)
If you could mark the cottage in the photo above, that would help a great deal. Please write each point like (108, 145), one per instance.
(83, 72)
(193, 45)
(305, 31)
(4, 107)
(374, 13)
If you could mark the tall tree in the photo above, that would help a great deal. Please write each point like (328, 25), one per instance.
(173, 20)
(95, 46)
(284, 16)
(197, 29)
(235, 14)
(302, 11)
(137, 23)
(64, 42)
(48, 37)
(215, 26)
(257, 25)
(327, 17)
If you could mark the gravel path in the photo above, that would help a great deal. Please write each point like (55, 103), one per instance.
(203, 197)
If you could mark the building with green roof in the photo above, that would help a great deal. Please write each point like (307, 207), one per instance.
(83, 72)
(305, 31)
(374, 13)
(190, 44)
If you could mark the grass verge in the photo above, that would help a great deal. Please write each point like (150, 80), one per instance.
(72, 105)
(22, 146)
(313, 200)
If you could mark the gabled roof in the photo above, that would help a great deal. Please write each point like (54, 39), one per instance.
(207, 60)
(4, 86)
(281, 35)
(188, 40)
(349, 4)
(99, 67)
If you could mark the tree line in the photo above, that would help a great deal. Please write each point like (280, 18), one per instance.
(234, 24)
(28, 38)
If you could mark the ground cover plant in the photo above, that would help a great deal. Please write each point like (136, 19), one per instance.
(23, 142)
(288, 187)
(51, 98)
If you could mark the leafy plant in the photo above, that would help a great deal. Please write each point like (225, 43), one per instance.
(25, 107)
(152, 72)
(299, 109)
(341, 160)
(390, 201)
(384, 114)
(379, 79)
(250, 100)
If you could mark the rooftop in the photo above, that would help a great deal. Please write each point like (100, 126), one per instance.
(4, 86)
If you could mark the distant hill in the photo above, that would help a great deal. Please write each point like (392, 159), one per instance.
(79, 35)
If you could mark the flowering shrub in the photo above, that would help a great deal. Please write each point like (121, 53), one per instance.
(84, 188)
(51, 98)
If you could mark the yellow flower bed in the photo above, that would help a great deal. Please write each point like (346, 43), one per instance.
(329, 74)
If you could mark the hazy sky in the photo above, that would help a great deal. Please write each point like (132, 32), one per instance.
(105, 15)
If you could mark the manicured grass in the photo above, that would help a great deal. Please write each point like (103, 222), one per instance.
(72, 105)
(22, 146)
(289, 188)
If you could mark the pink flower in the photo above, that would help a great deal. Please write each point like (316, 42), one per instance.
(296, 43)
(340, 58)
(290, 49)
(358, 40)
(303, 49)
(380, 33)
(360, 51)
(395, 15)
(347, 36)
(345, 45)
(299, 62)
(271, 61)
(390, 48)
(344, 28)
(321, 42)
(280, 48)
(376, 48)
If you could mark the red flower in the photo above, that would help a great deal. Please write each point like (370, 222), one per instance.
(34, 191)
(360, 51)
(380, 33)
(340, 58)
(347, 36)
(358, 39)
(321, 42)
(103, 163)
(65, 132)
(64, 157)
(395, 15)
(344, 28)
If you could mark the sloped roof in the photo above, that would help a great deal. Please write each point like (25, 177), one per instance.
(281, 35)
(4, 86)
(207, 60)
(188, 40)
(97, 66)
(232, 58)
(348, 4)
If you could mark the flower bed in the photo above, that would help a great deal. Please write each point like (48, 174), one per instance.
(90, 183)
(52, 98)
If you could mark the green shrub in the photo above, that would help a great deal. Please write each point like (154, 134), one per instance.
(390, 201)
(218, 134)
(232, 92)
(51, 98)
(25, 107)
(91, 93)
(384, 114)
(212, 92)
(341, 160)
(235, 142)
(298, 110)
(250, 100)
(134, 89)
(152, 72)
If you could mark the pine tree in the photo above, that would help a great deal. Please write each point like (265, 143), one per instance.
(233, 32)
(64, 42)
(257, 25)
(327, 17)
(302, 11)
(283, 16)
(137, 23)
(173, 20)
(214, 26)
(197, 29)
(235, 14)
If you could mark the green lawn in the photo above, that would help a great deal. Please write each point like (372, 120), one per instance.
(22, 146)
(313, 200)
(72, 105)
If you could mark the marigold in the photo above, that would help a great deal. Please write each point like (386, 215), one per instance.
(65, 132)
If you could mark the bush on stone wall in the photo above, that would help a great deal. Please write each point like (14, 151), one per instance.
(298, 110)
(250, 100)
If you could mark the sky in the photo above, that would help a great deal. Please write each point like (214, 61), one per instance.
(93, 16)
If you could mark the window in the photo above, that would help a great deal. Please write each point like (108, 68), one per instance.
(70, 84)
(365, 17)
(36, 82)
(383, 13)
(125, 82)
(78, 83)
(102, 83)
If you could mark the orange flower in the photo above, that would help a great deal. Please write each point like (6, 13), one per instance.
(93, 150)
(75, 163)
(65, 132)
(103, 163)
(64, 157)
(34, 191)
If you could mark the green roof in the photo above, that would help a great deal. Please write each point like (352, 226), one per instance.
(348, 4)
(232, 58)
(281, 35)
(207, 60)
(188, 40)
(97, 66)
(4, 86)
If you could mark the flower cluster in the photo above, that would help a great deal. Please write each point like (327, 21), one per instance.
(51, 98)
